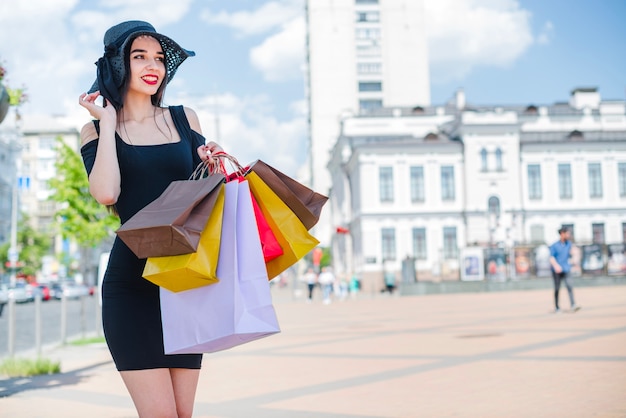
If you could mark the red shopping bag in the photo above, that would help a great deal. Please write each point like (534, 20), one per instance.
(269, 243)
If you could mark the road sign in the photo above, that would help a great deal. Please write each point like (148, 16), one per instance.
(23, 182)
(13, 254)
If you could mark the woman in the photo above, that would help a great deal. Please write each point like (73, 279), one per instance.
(132, 151)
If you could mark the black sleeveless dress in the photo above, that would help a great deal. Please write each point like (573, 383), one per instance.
(131, 309)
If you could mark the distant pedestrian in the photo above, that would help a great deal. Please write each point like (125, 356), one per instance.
(390, 282)
(559, 260)
(327, 281)
(310, 277)
(342, 288)
(355, 285)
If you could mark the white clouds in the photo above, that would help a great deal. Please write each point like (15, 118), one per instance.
(53, 47)
(247, 129)
(267, 17)
(464, 35)
(281, 56)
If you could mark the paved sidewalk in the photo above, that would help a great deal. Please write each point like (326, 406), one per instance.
(497, 354)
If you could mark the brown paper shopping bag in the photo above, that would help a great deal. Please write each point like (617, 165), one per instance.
(172, 223)
(304, 202)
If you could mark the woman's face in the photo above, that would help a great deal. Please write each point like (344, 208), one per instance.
(147, 65)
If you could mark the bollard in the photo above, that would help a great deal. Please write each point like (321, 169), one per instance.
(11, 320)
(83, 317)
(38, 324)
(98, 314)
(63, 318)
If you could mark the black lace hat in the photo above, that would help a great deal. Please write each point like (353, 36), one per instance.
(111, 70)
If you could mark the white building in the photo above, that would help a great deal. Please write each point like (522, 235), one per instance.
(38, 158)
(9, 151)
(33, 141)
(427, 182)
(362, 55)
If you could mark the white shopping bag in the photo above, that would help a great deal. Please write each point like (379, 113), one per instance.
(236, 310)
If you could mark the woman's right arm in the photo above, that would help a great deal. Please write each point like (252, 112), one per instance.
(104, 179)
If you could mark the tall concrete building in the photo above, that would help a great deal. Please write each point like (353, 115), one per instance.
(362, 55)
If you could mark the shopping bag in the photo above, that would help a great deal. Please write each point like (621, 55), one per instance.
(237, 309)
(173, 222)
(304, 202)
(188, 271)
(269, 243)
(292, 235)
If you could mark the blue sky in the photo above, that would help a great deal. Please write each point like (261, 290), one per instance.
(249, 64)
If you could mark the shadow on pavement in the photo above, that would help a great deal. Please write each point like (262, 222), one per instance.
(14, 385)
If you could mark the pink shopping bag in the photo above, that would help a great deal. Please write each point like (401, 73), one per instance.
(236, 310)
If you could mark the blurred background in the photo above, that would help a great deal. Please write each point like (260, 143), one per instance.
(453, 137)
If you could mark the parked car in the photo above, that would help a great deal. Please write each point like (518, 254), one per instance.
(21, 293)
(75, 290)
(70, 290)
(43, 290)
(4, 296)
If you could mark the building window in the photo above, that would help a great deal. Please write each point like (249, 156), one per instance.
(371, 16)
(417, 184)
(499, 166)
(366, 1)
(597, 232)
(46, 143)
(536, 234)
(494, 206)
(483, 160)
(419, 243)
(447, 183)
(450, 249)
(389, 243)
(368, 51)
(385, 178)
(621, 178)
(595, 180)
(370, 104)
(368, 33)
(534, 181)
(624, 232)
(565, 181)
(370, 86)
(369, 68)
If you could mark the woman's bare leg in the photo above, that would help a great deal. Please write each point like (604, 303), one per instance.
(152, 392)
(185, 382)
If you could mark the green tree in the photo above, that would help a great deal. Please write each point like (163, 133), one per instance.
(80, 218)
(32, 246)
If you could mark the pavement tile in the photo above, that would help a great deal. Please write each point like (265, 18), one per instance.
(499, 354)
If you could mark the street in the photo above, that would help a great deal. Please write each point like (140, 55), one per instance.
(81, 318)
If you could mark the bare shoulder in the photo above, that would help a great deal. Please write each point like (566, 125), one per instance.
(192, 117)
(88, 133)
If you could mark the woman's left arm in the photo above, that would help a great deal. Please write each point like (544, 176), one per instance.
(204, 151)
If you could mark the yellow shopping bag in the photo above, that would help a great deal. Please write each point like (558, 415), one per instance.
(189, 271)
(292, 235)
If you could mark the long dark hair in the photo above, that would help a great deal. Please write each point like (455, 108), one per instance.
(156, 98)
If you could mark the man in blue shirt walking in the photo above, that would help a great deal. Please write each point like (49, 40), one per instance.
(559, 259)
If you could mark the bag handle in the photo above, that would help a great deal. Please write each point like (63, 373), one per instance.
(238, 171)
